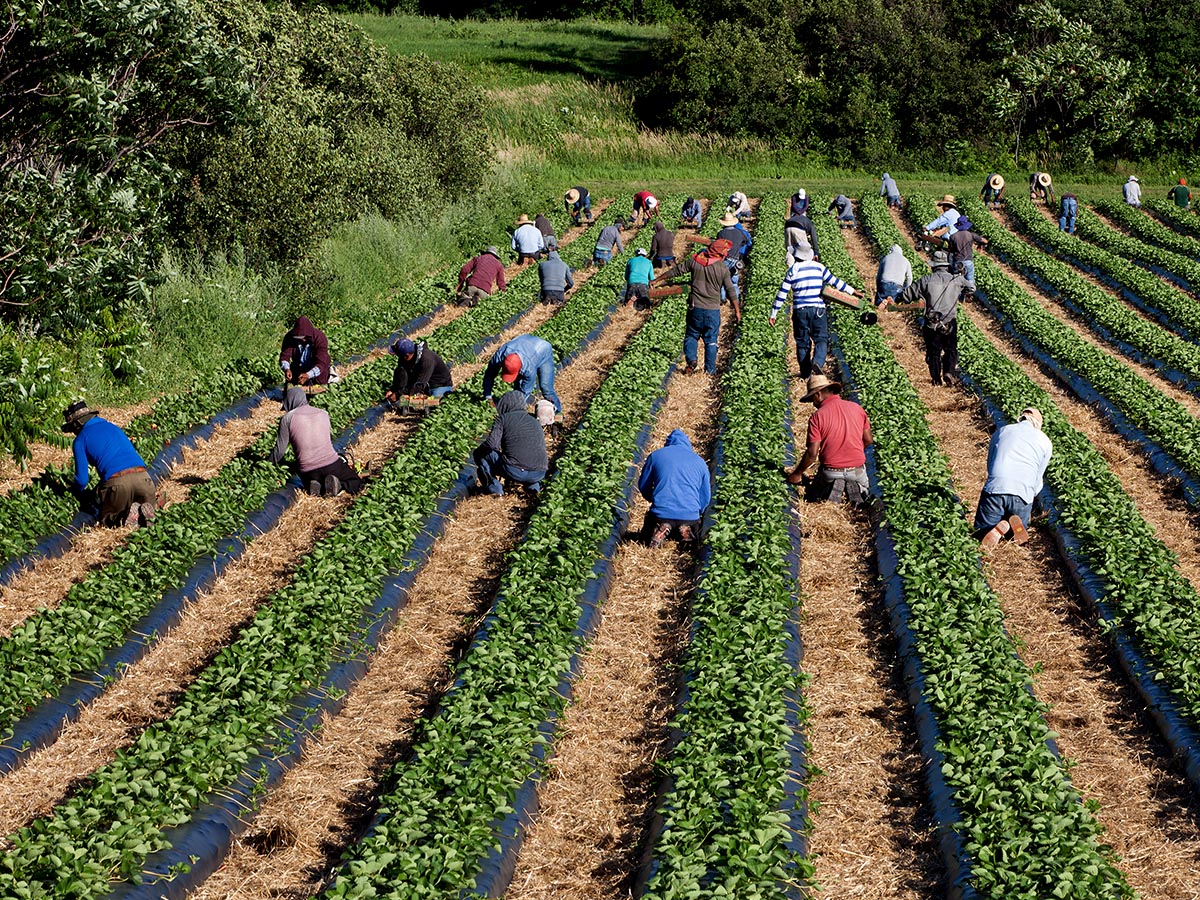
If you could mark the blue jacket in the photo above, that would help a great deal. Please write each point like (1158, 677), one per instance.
(102, 444)
(675, 480)
(534, 353)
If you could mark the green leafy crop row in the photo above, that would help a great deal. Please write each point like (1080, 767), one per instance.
(1024, 829)
(106, 830)
(1182, 220)
(1092, 228)
(726, 830)
(1148, 228)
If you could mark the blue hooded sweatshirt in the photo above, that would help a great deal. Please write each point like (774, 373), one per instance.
(675, 480)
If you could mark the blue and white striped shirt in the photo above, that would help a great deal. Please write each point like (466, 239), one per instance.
(804, 279)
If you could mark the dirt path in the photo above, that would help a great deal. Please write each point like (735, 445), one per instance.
(601, 780)
(1150, 814)
(323, 802)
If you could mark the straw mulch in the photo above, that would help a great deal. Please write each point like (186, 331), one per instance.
(325, 800)
(1119, 759)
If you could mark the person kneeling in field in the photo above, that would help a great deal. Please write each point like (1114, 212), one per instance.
(419, 370)
(307, 429)
(126, 493)
(676, 482)
(839, 434)
(515, 448)
(1017, 460)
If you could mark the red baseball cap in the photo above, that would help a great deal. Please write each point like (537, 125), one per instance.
(512, 368)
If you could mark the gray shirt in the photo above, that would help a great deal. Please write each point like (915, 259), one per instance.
(894, 268)
(941, 292)
(555, 274)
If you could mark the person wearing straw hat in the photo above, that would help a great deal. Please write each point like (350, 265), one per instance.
(692, 214)
(554, 275)
(1017, 458)
(810, 320)
(419, 370)
(711, 283)
(938, 293)
(844, 208)
(739, 205)
(527, 363)
(1180, 195)
(479, 277)
(307, 430)
(578, 203)
(126, 494)
(675, 480)
(888, 188)
(839, 433)
(1131, 190)
(740, 242)
(947, 221)
(638, 272)
(527, 240)
(645, 207)
(993, 190)
(1040, 185)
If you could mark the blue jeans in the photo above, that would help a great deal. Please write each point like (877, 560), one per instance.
(441, 391)
(994, 508)
(601, 255)
(1067, 223)
(492, 468)
(967, 267)
(886, 290)
(545, 381)
(702, 325)
(810, 328)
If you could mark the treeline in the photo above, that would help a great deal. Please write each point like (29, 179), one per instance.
(913, 83)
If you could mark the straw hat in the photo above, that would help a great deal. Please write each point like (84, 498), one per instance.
(523, 219)
(996, 182)
(75, 415)
(1043, 179)
(819, 382)
(947, 200)
(571, 196)
(1032, 415)
(728, 219)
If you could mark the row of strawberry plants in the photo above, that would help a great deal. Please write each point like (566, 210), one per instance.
(488, 739)
(735, 811)
(1184, 221)
(1183, 270)
(1114, 321)
(1019, 828)
(1148, 228)
(1139, 587)
(1162, 302)
(239, 702)
(1163, 422)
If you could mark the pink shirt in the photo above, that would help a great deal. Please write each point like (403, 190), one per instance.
(307, 429)
(839, 424)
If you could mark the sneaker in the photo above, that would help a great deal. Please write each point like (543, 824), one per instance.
(314, 489)
(992, 538)
(660, 535)
(686, 535)
(131, 517)
(147, 511)
(689, 369)
(333, 486)
(1020, 535)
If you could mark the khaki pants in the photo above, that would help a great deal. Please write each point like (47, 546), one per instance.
(471, 295)
(117, 494)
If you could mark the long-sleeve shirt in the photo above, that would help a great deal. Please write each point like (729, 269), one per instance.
(739, 204)
(707, 281)
(1132, 192)
(421, 374)
(639, 270)
(663, 244)
(894, 268)
(843, 205)
(805, 224)
(517, 436)
(528, 240)
(962, 244)
(675, 480)
(940, 290)
(534, 353)
(804, 281)
(1017, 458)
(544, 225)
(104, 445)
(485, 272)
(738, 237)
(888, 187)
(948, 220)
(610, 239)
(555, 275)
(306, 349)
(693, 210)
(307, 429)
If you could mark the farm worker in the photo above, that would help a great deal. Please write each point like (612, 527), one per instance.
(1040, 186)
(638, 272)
(578, 203)
(645, 207)
(740, 243)
(799, 203)
(691, 214)
(739, 205)
(711, 282)
(419, 370)
(662, 246)
(838, 435)
(947, 222)
(1131, 190)
(1180, 194)
(893, 275)
(800, 238)
(480, 276)
(993, 190)
(526, 362)
(608, 242)
(962, 248)
(306, 428)
(844, 208)
(810, 324)
(555, 275)
(888, 188)
(676, 482)
(304, 356)
(515, 448)
(544, 225)
(126, 494)
(527, 240)
(1068, 209)
(1017, 458)
(939, 293)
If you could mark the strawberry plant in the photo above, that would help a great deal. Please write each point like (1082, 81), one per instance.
(1182, 220)
(1149, 229)
(1177, 267)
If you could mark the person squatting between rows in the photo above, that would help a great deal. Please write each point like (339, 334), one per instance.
(126, 494)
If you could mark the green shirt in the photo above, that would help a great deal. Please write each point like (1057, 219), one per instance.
(1181, 195)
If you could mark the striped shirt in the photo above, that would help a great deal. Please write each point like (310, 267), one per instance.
(805, 279)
